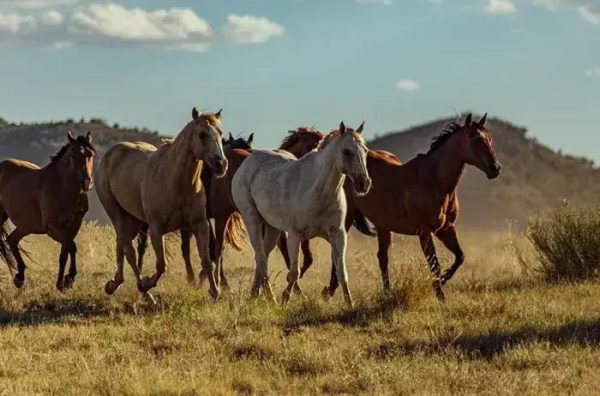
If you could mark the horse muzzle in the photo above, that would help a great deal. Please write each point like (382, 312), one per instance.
(219, 166)
(362, 185)
(493, 171)
(86, 183)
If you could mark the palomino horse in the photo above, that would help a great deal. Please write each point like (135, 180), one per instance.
(186, 236)
(138, 183)
(51, 201)
(275, 192)
(419, 197)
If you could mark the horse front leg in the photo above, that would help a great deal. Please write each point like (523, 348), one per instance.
(69, 279)
(293, 247)
(338, 241)
(384, 241)
(428, 248)
(449, 238)
(186, 237)
(62, 262)
(201, 232)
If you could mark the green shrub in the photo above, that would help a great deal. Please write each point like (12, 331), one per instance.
(567, 244)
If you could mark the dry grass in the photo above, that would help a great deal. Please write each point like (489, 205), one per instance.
(502, 331)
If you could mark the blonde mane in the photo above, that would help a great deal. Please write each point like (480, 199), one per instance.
(335, 133)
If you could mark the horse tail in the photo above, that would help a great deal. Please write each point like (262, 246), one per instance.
(5, 251)
(235, 234)
(364, 226)
(142, 243)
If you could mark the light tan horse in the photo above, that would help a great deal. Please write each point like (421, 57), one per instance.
(50, 200)
(138, 183)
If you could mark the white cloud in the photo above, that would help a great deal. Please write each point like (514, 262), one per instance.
(112, 24)
(33, 4)
(588, 9)
(16, 23)
(383, 2)
(407, 85)
(52, 18)
(248, 29)
(593, 73)
(500, 7)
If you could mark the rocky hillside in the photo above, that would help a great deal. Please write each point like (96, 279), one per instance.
(534, 177)
(37, 142)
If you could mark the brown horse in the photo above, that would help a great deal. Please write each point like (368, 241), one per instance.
(419, 198)
(51, 200)
(138, 183)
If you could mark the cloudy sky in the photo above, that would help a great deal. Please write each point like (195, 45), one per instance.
(276, 64)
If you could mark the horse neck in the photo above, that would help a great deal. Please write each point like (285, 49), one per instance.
(448, 166)
(184, 169)
(330, 178)
(63, 179)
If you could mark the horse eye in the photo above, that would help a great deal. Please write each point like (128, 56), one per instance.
(347, 153)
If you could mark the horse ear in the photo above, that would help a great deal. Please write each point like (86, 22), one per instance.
(251, 138)
(70, 137)
(218, 114)
(195, 113)
(483, 120)
(88, 137)
(360, 128)
(469, 121)
(230, 136)
(342, 128)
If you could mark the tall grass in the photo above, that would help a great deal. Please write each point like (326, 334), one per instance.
(567, 244)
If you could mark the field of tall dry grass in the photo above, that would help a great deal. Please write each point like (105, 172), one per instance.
(503, 330)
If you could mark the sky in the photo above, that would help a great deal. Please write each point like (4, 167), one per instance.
(273, 65)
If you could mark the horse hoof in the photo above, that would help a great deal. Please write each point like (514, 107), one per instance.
(110, 287)
(149, 298)
(326, 294)
(285, 298)
(60, 285)
(144, 285)
(191, 280)
(214, 293)
(68, 282)
(18, 281)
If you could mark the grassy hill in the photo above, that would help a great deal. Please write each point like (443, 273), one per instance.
(37, 142)
(534, 177)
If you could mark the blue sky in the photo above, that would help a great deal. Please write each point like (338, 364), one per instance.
(276, 64)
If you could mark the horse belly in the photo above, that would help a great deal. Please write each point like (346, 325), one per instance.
(22, 207)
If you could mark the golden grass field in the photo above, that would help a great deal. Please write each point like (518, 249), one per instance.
(502, 331)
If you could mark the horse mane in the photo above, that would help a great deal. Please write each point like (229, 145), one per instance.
(211, 119)
(335, 133)
(441, 138)
(295, 135)
(81, 140)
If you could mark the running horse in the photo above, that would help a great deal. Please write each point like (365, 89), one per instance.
(419, 198)
(138, 183)
(51, 200)
(275, 192)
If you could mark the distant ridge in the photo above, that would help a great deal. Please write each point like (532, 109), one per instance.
(534, 178)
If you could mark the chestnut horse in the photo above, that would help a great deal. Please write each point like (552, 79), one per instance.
(419, 198)
(138, 183)
(51, 201)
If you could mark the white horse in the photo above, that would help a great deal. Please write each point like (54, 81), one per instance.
(276, 192)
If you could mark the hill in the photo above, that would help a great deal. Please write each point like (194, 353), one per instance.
(37, 142)
(534, 177)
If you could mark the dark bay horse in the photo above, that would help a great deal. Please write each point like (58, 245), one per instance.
(138, 183)
(51, 200)
(419, 198)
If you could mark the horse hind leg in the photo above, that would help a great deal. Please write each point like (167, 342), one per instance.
(449, 237)
(13, 242)
(282, 244)
(293, 246)
(186, 237)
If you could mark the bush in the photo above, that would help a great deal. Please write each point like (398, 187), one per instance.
(567, 244)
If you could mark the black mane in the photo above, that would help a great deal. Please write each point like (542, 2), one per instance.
(439, 140)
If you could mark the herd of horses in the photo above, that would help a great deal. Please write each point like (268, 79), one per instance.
(314, 185)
